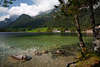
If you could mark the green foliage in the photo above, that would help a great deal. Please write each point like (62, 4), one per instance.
(6, 3)
(49, 29)
(38, 30)
(47, 21)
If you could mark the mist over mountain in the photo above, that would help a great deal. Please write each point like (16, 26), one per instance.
(7, 21)
(24, 21)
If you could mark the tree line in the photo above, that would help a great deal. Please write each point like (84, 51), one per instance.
(74, 7)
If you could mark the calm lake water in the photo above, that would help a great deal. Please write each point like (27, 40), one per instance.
(22, 43)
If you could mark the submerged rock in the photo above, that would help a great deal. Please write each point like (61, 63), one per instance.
(60, 52)
(37, 53)
(45, 52)
(21, 57)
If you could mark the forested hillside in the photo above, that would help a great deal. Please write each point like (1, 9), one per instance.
(51, 20)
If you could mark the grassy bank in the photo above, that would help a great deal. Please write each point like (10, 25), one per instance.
(38, 30)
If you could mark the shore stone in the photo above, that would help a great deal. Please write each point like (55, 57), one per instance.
(37, 53)
(60, 52)
(45, 51)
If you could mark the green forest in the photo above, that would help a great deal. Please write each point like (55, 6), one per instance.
(50, 22)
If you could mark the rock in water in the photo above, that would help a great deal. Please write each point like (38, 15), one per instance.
(28, 58)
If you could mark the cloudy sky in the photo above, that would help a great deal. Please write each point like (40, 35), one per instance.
(30, 7)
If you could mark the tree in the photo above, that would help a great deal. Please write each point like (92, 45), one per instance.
(6, 3)
(92, 19)
(73, 7)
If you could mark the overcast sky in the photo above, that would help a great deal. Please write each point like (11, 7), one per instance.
(29, 7)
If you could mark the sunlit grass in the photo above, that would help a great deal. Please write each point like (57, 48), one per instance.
(38, 30)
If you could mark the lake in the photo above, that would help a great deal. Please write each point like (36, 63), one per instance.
(23, 43)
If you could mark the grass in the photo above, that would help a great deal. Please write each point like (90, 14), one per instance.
(38, 30)
(89, 62)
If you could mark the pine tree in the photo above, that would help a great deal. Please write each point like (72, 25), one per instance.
(73, 7)
(6, 3)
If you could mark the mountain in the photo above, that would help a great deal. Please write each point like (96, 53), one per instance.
(21, 21)
(24, 22)
(27, 22)
(5, 23)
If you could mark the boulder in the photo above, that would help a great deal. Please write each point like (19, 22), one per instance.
(60, 52)
(45, 52)
(37, 53)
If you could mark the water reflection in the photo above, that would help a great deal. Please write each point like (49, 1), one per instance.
(26, 43)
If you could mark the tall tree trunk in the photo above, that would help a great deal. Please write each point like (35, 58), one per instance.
(92, 19)
(82, 44)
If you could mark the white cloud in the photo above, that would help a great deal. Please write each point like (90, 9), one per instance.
(32, 10)
(3, 13)
(22, 9)
(2, 18)
(35, 9)
(3, 10)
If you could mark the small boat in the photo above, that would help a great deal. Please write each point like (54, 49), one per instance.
(21, 57)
